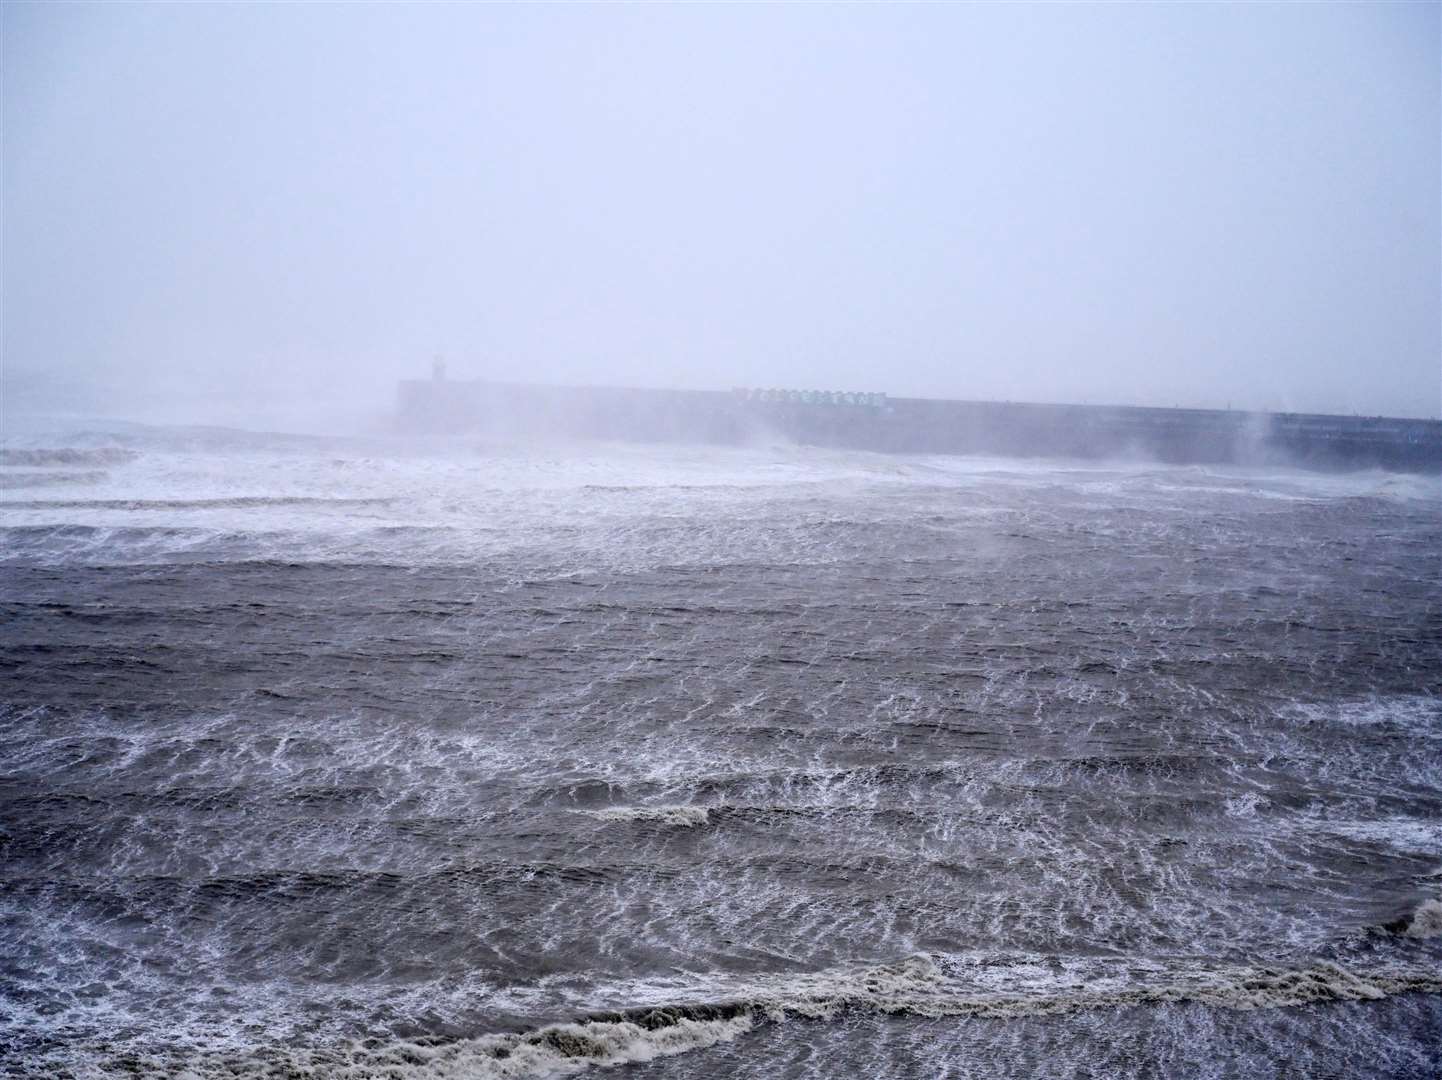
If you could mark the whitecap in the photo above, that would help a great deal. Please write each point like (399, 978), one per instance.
(680, 816)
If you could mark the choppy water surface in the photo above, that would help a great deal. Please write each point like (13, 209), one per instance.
(335, 758)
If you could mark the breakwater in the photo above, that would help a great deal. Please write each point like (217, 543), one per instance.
(871, 421)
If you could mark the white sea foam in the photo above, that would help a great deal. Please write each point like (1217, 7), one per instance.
(681, 816)
(1417, 714)
(1245, 805)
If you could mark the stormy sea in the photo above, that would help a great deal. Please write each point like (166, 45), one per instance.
(354, 757)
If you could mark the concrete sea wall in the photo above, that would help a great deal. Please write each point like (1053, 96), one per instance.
(921, 425)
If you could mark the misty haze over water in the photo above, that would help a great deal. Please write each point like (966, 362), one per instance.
(337, 742)
(235, 209)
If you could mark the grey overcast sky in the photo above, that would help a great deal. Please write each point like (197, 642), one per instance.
(1198, 205)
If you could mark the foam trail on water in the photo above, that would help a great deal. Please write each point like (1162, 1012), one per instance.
(921, 986)
(681, 816)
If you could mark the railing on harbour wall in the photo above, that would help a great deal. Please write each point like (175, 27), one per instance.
(810, 397)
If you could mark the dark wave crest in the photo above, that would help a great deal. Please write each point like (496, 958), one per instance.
(238, 503)
(101, 455)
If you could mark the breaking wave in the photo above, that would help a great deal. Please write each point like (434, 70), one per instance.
(557, 1049)
(1426, 920)
(918, 986)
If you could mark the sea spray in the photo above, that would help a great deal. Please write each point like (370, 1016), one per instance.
(1426, 921)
